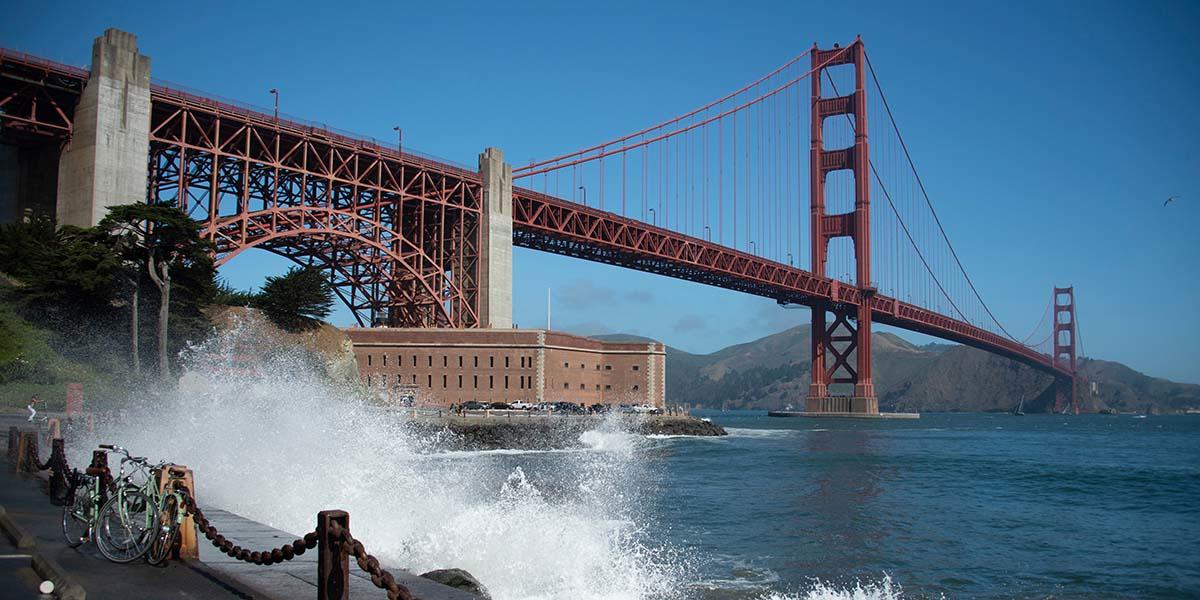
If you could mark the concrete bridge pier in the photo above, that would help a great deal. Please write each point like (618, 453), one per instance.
(495, 252)
(105, 162)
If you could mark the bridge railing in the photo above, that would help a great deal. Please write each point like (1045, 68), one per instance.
(266, 115)
(331, 537)
(9, 55)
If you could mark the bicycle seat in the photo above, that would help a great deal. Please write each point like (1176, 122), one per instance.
(94, 471)
(177, 472)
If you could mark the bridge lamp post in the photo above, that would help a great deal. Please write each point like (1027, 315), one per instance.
(707, 233)
(275, 92)
(400, 140)
(790, 259)
(653, 218)
(584, 195)
(753, 248)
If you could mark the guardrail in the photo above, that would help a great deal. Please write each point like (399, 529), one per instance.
(331, 537)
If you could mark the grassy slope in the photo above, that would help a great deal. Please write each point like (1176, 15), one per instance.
(30, 365)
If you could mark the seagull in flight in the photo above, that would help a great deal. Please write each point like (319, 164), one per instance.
(1171, 199)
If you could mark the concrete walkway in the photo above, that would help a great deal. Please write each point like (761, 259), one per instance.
(27, 506)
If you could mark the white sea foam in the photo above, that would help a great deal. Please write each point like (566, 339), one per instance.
(275, 442)
(820, 590)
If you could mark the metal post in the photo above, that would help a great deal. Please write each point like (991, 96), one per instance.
(333, 565)
(275, 92)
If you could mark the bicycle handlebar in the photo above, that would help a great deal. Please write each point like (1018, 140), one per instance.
(108, 446)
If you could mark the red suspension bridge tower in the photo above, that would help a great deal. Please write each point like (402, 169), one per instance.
(848, 338)
(1064, 348)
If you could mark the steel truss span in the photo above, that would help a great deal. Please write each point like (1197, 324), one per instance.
(549, 224)
(398, 235)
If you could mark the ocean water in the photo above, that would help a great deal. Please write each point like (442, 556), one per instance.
(954, 506)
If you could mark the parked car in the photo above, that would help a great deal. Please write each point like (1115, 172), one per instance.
(500, 406)
(569, 408)
(521, 405)
(544, 406)
(474, 405)
(626, 409)
(599, 409)
(646, 409)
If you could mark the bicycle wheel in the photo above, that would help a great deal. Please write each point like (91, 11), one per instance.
(125, 526)
(165, 532)
(79, 514)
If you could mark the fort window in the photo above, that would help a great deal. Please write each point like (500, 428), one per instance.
(566, 365)
(476, 362)
(460, 382)
(430, 381)
(491, 382)
(414, 360)
(445, 361)
(565, 385)
(582, 366)
(597, 367)
(505, 362)
(607, 367)
(607, 387)
(476, 382)
(431, 360)
(636, 367)
(636, 387)
(443, 382)
(368, 380)
(506, 382)
(597, 387)
(385, 360)
(460, 361)
(491, 362)
(581, 386)
(368, 360)
(414, 379)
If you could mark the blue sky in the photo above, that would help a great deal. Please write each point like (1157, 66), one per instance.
(1049, 134)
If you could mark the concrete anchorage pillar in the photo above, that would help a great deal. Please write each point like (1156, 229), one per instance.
(105, 163)
(495, 252)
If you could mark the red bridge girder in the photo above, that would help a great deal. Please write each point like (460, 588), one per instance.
(551, 224)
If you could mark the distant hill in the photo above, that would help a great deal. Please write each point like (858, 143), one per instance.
(773, 371)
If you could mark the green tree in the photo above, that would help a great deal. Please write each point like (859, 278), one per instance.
(162, 245)
(297, 300)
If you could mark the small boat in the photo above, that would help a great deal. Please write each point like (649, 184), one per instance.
(1019, 411)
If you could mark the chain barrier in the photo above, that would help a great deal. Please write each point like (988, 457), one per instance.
(369, 564)
(337, 536)
(268, 557)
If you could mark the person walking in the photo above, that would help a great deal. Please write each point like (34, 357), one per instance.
(33, 400)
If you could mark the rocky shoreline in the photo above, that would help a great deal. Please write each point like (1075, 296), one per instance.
(510, 432)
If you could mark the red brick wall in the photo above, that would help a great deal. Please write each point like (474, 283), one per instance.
(456, 365)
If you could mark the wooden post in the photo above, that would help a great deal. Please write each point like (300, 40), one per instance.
(13, 433)
(189, 546)
(27, 447)
(55, 427)
(333, 565)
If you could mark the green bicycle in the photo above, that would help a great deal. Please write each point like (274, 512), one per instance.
(170, 514)
(84, 497)
(125, 526)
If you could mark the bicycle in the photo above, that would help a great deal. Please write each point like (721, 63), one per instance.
(125, 524)
(82, 509)
(171, 513)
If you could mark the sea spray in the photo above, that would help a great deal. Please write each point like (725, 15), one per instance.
(271, 438)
